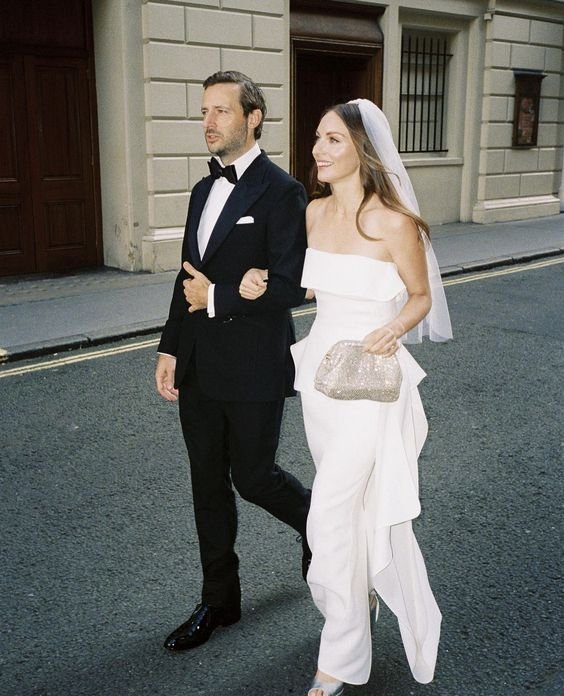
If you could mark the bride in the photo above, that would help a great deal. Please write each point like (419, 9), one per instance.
(375, 278)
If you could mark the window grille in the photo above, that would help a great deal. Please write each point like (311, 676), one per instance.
(423, 85)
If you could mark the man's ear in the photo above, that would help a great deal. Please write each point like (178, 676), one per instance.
(254, 118)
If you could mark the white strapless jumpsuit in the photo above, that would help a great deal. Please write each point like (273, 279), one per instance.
(365, 492)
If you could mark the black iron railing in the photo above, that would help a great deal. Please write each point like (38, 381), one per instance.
(423, 85)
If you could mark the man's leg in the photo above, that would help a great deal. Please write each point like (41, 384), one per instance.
(203, 426)
(254, 431)
(204, 429)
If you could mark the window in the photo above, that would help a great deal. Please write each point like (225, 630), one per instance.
(424, 83)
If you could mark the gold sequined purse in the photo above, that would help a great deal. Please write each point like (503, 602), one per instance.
(347, 372)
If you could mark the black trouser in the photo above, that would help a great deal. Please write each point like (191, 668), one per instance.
(234, 443)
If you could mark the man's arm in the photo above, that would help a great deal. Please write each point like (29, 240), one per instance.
(286, 240)
(177, 312)
(178, 309)
(164, 377)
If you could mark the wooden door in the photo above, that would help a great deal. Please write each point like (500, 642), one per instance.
(17, 239)
(49, 185)
(323, 80)
(336, 56)
(61, 159)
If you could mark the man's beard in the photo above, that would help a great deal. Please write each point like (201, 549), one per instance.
(234, 144)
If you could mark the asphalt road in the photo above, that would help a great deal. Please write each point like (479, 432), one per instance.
(99, 558)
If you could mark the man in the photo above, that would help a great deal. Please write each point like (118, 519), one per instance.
(226, 359)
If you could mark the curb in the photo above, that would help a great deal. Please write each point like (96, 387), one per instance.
(66, 343)
(499, 261)
(52, 346)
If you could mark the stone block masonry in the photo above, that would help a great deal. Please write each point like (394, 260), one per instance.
(184, 42)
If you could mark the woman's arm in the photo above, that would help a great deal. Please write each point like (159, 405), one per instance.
(254, 282)
(283, 231)
(408, 253)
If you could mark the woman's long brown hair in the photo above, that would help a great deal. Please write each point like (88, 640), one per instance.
(373, 176)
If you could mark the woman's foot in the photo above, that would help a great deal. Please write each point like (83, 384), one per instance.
(374, 606)
(325, 685)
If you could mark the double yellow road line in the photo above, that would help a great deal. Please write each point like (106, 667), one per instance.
(151, 343)
(508, 270)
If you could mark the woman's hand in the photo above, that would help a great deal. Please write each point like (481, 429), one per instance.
(384, 341)
(254, 283)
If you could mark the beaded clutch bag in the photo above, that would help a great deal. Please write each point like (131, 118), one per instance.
(347, 372)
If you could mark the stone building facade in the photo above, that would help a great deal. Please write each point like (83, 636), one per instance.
(151, 58)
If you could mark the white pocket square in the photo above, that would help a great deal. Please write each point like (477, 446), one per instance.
(246, 220)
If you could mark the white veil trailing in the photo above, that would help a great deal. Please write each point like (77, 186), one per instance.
(436, 324)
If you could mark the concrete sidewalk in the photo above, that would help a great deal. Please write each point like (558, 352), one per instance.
(46, 314)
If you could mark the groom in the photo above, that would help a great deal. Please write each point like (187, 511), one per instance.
(227, 359)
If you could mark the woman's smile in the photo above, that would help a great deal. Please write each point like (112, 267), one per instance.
(334, 149)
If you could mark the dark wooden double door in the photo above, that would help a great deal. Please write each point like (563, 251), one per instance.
(49, 213)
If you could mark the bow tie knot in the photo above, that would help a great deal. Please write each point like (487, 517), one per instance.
(216, 170)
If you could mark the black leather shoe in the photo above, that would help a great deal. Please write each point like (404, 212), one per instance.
(200, 626)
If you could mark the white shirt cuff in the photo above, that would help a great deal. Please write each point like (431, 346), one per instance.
(211, 303)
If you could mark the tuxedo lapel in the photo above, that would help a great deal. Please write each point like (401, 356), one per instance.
(249, 189)
(197, 203)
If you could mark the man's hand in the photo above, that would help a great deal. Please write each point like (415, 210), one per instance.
(164, 377)
(195, 288)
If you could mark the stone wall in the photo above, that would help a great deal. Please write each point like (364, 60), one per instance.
(516, 183)
(184, 43)
(152, 57)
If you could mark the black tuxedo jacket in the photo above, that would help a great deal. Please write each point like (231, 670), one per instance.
(242, 354)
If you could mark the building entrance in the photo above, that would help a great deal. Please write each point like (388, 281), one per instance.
(49, 180)
(336, 56)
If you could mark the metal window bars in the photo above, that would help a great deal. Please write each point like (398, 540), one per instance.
(423, 84)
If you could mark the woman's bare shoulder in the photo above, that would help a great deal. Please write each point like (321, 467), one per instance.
(315, 204)
(390, 225)
(315, 209)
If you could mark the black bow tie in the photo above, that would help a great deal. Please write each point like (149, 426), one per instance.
(216, 170)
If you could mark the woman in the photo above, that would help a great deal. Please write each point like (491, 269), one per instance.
(375, 277)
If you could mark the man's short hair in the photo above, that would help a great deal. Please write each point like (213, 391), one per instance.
(251, 96)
